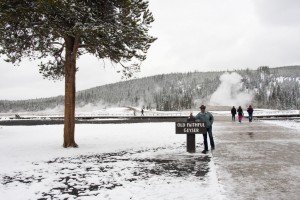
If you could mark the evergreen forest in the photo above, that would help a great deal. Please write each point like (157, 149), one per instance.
(274, 88)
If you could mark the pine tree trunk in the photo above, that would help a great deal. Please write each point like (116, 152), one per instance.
(70, 91)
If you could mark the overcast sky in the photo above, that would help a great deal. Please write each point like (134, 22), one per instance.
(200, 35)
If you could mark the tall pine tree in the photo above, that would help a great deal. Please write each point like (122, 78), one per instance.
(62, 30)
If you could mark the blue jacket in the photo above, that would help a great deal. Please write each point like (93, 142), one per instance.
(205, 117)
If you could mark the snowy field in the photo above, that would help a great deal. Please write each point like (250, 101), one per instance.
(113, 161)
(92, 111)
(120, 161)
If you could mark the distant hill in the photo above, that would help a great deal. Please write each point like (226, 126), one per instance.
(276, 88)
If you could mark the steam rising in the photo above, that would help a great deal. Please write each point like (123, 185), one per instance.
(229, 92)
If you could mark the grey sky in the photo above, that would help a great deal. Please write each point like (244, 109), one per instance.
(192, 35)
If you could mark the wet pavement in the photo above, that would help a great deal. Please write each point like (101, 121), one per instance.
(257, 160)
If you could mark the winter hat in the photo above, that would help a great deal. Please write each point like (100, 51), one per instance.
(202, 106)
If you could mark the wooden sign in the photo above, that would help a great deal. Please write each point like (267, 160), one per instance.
(191, 127)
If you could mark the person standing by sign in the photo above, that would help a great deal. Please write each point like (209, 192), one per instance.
(233, 113)
(240, 113)
(250, 113)
(209, 119)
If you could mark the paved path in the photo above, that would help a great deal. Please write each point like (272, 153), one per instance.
(257, 160)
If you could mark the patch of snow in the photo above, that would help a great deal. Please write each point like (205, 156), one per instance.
(34, 154)
(280, 79)
(292, 124)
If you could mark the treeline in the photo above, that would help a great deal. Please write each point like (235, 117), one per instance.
(175, 91)
(31, 104)
(274, 88)
(277, 88)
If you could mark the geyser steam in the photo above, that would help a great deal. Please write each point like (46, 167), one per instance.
(229, 92)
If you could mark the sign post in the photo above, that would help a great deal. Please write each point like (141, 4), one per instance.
(190, 129)
(191, 143)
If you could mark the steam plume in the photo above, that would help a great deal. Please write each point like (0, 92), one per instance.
(229, 92)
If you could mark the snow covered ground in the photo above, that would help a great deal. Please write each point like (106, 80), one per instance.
(91, 111)
(120, 161)
(113, 161)
(292, 124)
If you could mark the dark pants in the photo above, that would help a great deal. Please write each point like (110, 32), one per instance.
(211, 139)
(233, 117)
(250, 117)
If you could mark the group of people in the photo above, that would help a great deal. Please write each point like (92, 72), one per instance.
(240, 113)
(209, 119)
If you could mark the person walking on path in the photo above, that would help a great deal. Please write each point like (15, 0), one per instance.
(240, 113)
(142, 111)
(250, 113)
(233, 113)
(209, 119)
